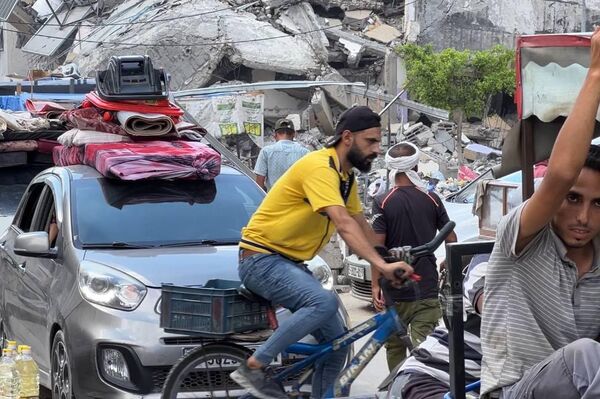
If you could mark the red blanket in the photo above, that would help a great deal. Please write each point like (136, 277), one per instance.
(154, 160)
(90, 119)
(47, 109)
(65, 156)
(149, 107)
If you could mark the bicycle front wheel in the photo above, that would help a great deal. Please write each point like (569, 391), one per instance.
(204, 373)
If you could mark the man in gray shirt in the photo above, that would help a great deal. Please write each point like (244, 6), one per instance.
(274, 160)
(541, 312)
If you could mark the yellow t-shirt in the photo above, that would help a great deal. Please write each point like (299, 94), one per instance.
(289, 220)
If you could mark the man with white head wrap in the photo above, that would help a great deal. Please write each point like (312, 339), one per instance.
(406, 164)
(409, 215)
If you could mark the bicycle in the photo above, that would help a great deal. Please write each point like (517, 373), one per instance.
(195, 366)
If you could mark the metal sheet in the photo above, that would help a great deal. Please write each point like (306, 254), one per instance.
(434, 112)
(538, 56)
(6, 8)
(273, 85)
(49, 38)
(43, 9)
(550, 91)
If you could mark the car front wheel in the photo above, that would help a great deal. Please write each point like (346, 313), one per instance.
(62, 379)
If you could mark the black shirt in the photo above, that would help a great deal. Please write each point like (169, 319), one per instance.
(409, 216)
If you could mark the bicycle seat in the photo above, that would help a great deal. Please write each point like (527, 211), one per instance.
(251, 296)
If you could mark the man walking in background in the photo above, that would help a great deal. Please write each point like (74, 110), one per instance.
(409, 215)
(274, 160)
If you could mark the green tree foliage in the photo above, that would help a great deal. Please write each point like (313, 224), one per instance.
(453, 79)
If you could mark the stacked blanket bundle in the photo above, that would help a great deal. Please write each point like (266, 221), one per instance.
(154, 160)
(124, 140)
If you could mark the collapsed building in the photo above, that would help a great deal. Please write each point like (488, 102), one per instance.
(227, 58)
(232, 42)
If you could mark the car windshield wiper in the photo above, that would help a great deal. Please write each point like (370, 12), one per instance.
(200, 242)
(116, 245)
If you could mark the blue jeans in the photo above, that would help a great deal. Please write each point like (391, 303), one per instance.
(315, 311)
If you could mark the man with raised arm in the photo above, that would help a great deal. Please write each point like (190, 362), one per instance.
(541, 310)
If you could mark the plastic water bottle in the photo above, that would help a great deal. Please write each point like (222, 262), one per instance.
(29, 373)
(12, 345)
(10, 383)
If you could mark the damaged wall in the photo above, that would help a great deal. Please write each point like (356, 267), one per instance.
(479, 25)
(194, 65)
(12, 59)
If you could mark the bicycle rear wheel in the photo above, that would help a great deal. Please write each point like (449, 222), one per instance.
(204, 373)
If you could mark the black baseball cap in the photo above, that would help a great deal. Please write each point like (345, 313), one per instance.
(284, 124)
(355, 119)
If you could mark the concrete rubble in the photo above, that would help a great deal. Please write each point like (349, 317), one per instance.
(291, 38)
(383, 33)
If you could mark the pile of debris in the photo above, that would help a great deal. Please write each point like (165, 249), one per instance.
(232, 39)
(480, 150)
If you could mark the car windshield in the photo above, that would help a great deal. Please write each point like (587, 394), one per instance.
(122, 214)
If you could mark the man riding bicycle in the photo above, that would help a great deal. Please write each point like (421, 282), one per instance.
(316, 196)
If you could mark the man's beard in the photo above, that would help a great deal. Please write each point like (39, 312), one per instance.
(359, 161)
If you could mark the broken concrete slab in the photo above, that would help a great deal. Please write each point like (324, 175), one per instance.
(418, 134)
(384, 33)
(445, 139)
(280, 3)
(350, 5)
(436, 146)
(357, 18)
(330, 22)
(354, 50)
(301, 18)
(255, 52)
(337, 93)
(278, 104)
(370, 46)
(322, 112)
(475, 151)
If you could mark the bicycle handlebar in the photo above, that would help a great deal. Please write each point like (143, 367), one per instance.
(407, 254)
(431, 246)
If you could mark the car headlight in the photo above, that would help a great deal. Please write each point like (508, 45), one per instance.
(321, 271)
(106, 286)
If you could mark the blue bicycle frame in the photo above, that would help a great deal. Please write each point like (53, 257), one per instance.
(385, 324)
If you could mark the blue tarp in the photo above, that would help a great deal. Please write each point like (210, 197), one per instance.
(54, 97)
(12, 103)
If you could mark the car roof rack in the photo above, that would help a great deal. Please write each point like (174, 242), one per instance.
(132, 78)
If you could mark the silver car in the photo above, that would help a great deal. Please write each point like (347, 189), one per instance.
(82, 266)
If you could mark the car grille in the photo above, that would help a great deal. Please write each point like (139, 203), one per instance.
(203, 381)
(361, 289)
(206, 381)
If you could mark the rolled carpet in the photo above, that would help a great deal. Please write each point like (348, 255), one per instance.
(149, 125)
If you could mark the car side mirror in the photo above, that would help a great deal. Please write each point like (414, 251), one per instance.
(34, 245)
